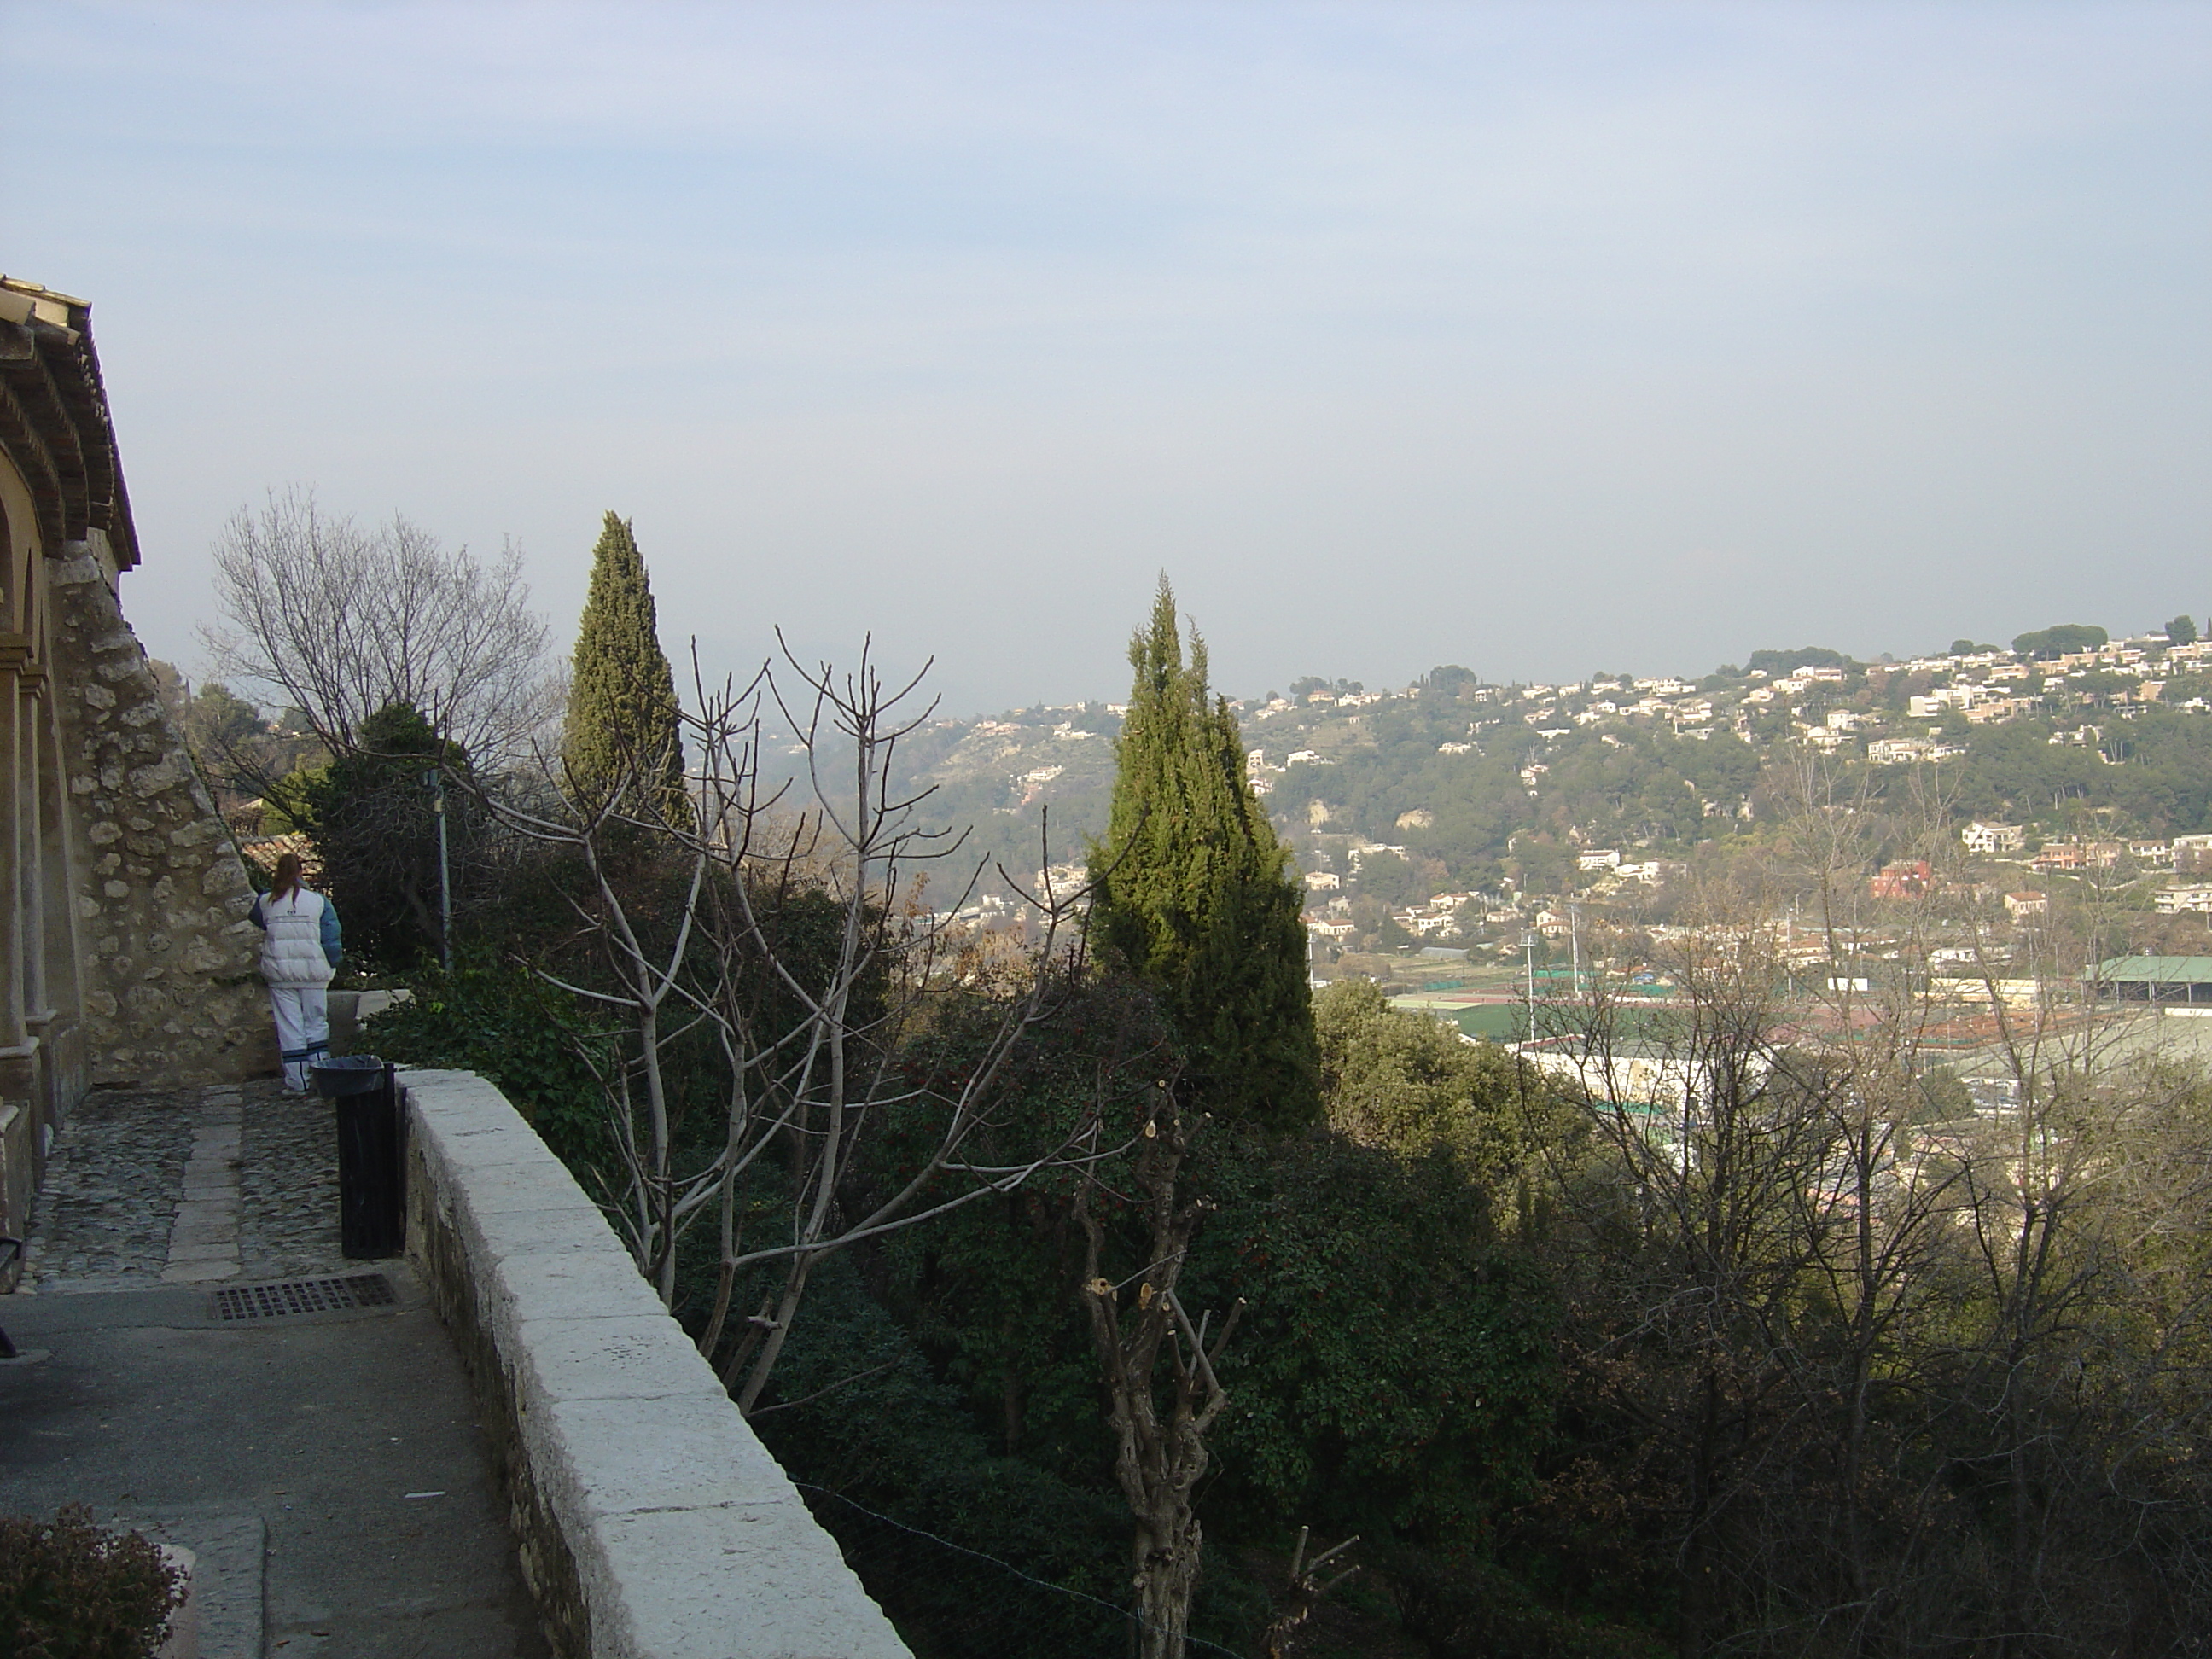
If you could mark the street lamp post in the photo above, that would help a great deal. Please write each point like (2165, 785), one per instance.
(435, 781)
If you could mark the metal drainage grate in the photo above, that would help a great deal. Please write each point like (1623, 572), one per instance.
(304, 1296)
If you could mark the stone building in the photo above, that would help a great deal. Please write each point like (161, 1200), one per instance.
(126, 955)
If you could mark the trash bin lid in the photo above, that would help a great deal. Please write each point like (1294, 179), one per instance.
(346, 1074)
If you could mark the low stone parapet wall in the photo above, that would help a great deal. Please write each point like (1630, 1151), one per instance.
(651, 1523)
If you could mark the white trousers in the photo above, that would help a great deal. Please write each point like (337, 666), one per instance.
(303, 1029)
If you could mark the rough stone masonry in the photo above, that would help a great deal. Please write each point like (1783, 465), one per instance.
(171, 997)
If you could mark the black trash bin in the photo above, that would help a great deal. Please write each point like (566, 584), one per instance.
(372, 1161)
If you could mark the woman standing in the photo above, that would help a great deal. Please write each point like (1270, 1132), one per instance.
(299, 954)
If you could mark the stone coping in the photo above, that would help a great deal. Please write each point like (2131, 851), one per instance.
(651, 1523)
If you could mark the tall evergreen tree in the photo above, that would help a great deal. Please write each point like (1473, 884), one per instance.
(1194, 894)
(621, 731)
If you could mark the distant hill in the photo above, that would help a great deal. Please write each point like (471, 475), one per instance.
(1476, 787)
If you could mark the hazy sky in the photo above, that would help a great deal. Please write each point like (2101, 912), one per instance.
(1538, 338)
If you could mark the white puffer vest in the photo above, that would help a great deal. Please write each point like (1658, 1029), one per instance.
(292, 948)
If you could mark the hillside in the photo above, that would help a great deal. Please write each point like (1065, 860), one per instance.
(1008, 779)
(1516, 793)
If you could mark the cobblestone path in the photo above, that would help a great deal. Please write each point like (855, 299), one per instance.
(289, 1224)
(193, 1186)
(113, 1186)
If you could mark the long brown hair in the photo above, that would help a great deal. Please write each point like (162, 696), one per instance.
(287, 878)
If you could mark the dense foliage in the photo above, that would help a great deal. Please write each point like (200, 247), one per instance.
(908, 1482)
(372, 816)
(1394, 1373)
(2057, 641)
(2163, 785)
(1789, 662)
(1415, 1087)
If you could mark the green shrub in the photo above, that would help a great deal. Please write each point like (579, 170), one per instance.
(512, 1029)
(68, 1590)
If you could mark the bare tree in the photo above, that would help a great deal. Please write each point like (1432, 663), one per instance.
(2074, 1357)
(337, 621)
(812, 1036)
(1902, 1374)
(1710, 1133)
(1877, 1210)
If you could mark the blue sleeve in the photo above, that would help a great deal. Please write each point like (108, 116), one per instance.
(332, 948)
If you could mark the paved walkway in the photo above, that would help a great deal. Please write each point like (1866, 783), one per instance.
(324, 1462)
(197, 1187)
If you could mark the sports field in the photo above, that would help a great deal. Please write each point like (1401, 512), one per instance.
(1494, 1004)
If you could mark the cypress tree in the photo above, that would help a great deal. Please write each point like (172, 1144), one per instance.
(621, 729)
(1193, 894)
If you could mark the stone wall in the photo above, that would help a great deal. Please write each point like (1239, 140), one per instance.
(651, 1523)
(172, 990)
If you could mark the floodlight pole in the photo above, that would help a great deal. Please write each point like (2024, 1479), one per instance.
(1529, 945)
